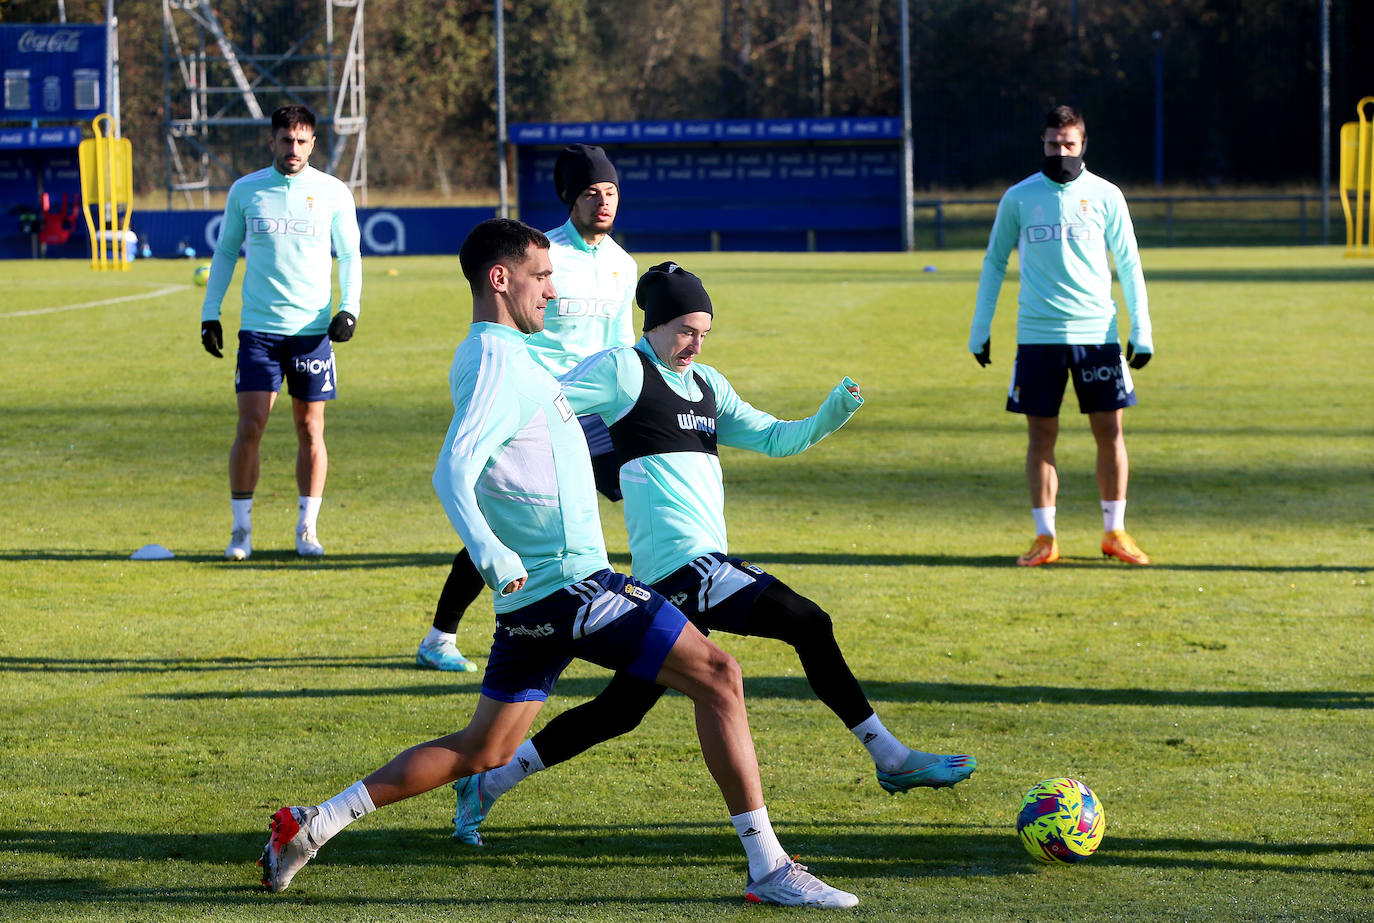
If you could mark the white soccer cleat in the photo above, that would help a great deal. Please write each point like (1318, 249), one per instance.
(308, 543)
(289, 847)
(240, 545)
(793, 886)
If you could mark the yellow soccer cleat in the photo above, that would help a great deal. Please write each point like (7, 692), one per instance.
(1117, 544)
(1044, 550)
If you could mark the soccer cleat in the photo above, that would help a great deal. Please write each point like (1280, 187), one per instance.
(1044, 550)
(240, 545)
(473, 805)
(444, 656)
(793, 886)
(308, 543)
(919, 772)
(1117, 544)
(289, 847)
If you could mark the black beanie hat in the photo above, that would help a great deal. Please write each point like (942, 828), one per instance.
(667, 291)
(579, 166)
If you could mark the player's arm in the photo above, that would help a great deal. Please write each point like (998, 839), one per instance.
(743, 426)
(606, 383)
(1121, 242)
(344, 234)
(482, 422)
(1006, 229)
(233, 228)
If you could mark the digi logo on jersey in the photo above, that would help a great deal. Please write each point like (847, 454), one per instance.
(296, 227)
(588, 307)
(1042, 233)
(691, 421)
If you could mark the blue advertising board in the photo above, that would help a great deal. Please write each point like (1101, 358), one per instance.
(750, 184)
(52, 73)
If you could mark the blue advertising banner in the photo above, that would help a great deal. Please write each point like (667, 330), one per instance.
(53, 73)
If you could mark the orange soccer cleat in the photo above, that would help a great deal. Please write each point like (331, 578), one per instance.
(1044, 550)
(1117, 544)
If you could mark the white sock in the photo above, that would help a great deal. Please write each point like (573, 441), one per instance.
(1113, 515)
(887, 751)
(1044, 519)
(340, 811)
(761, 844)
(524, 764)
(310, 512)
(243, 511)
(437, 637)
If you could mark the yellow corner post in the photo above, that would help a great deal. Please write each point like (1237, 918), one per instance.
(1357, 181)
(107, 193)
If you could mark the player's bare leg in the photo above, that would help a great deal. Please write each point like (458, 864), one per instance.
(489, 740)
(1113, 470)
(312, 465)
(254, 408)
(1042, 478)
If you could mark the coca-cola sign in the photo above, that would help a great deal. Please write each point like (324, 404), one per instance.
(58, 41)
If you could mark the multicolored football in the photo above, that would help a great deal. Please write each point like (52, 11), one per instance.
(1060, 820)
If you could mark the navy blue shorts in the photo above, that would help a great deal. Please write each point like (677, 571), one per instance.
(305, 361)
(1100, 378)
(716, 592)
(608, 619)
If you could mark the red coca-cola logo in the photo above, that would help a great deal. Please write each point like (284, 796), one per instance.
(55, 42)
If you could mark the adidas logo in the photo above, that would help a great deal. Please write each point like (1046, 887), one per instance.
(355, 813)
(525, 765)
(869, 738)
(752, 831)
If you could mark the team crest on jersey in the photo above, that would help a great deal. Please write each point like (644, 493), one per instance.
(1084, 207)
(310, 203)
(638, 592)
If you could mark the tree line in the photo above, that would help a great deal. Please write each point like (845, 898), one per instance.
(1229, 76)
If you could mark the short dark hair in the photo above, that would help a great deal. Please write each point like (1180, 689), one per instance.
(1065, 117)
(496, 240)
(289, 117)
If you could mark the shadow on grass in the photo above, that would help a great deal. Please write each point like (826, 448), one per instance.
(552, 852)
(276, 560)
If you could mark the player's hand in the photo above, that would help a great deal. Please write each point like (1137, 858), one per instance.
(341, 327)
(212, 337)
(852, 389)
(1134, 359)
(985, 357)
(513, 586)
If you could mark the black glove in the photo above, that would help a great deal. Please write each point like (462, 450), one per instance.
(212, 337)
(1134, 359)
(985, 357)
(341, 327)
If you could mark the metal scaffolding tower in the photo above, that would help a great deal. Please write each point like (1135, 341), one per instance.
(226, 69)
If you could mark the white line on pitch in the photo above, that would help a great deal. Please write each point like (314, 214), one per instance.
(96, 304)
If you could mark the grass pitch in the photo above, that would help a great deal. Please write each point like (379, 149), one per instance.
(1220, 703)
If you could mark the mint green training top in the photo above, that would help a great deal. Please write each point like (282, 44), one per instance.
(1062, 233)
(514, 474)
(675, 502)
(594, 309)
(289, 223)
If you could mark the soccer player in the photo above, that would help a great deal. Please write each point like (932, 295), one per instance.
(1063, 221)
(595, 280)
(667, 415)
(289, 214)
(515, 477)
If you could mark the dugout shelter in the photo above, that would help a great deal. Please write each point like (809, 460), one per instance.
(55, 80)
(732, 184)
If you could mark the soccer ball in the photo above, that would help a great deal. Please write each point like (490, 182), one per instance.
(202, 274)
(1060, 820)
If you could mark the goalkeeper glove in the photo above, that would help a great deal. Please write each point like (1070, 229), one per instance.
(985, 357)
(212, 337)
(341, 327)
(1134, 359)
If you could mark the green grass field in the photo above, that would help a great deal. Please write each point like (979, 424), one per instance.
(1220, 703)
